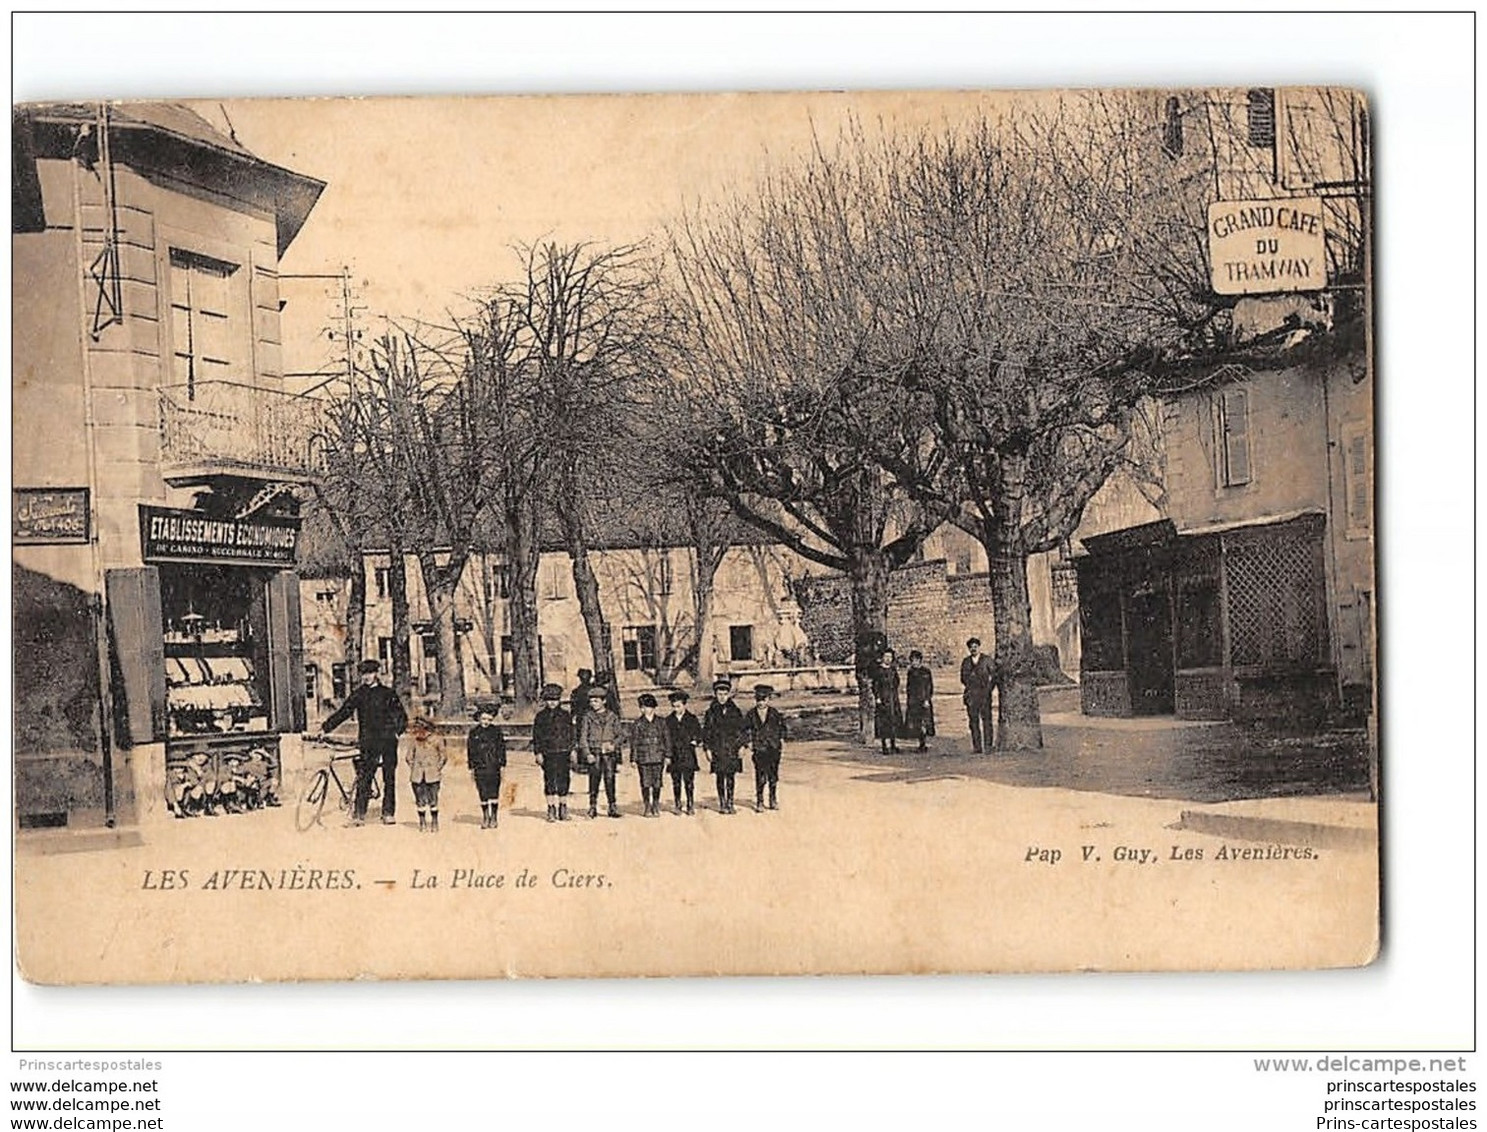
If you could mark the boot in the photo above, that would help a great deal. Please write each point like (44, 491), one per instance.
(433, 821)
(614, 811)
(495, 816)
(423, 822)
(773, 801)
(593, 807)
(562, 811)
(759, 803)
(552, 813)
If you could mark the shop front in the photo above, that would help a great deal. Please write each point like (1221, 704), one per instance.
(1224, 623)
(208, 650)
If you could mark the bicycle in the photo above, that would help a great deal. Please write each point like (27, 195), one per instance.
(308, 809)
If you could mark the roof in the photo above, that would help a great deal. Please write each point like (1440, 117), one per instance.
(170, 138)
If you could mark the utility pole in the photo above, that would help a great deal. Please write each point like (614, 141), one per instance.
(344, 328)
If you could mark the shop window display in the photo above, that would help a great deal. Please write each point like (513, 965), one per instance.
(220, 754)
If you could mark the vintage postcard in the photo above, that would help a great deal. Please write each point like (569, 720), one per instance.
(694, 535)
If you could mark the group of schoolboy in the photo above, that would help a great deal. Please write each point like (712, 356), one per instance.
(593, 740)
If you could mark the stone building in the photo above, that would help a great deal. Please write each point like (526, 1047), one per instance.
(156, 457)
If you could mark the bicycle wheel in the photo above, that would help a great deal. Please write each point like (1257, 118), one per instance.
(312, 801)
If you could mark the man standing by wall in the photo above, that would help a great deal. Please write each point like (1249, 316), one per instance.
(380, 719)
(978, 677)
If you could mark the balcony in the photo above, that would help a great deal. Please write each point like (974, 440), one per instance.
(213, 429)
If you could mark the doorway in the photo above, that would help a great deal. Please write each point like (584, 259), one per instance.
(1149, 645)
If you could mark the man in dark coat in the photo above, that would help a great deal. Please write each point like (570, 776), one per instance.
(764, 732)
(553, 739)
(686, 737)
(978, 677)
(380, 719)
(722, 735)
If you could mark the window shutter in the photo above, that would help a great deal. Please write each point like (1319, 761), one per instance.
(1359, 482)
(1235, 408)
(1261, 118)
(137, 642)
(1172, 128)
(286, 654)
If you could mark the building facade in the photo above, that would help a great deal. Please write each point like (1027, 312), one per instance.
(1253, 597)
(156, 462)
(646, 594)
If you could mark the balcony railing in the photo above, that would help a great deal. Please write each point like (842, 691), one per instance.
(223, 428)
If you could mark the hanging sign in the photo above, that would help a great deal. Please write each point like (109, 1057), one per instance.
(40, 515)
(168, 535)
(1258, 247)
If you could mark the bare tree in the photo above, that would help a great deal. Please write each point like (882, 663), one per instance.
(584, 330)
(796, 330)
(365, 491)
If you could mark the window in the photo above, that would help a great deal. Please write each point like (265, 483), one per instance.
(498, 583)
(554, 660)
(1199, 622)
(741, 642)
(429, 645)
(964, 562)
(380, 578)
(312, 681)
(1357, 478)
(1172, 128)
(325, 597)
(1233, 438)
(639, 648)
(508, 663)
(665, 576)
(557, 577)
(384, 652)
(1065, 580)
(338, 682)
(1260, 118)
(201, 327)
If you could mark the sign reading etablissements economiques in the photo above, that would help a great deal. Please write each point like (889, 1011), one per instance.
(1258, 247)
(170, 535)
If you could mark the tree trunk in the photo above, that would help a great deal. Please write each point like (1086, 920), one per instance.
(356, 621)
(522, 553)
(702, 611)
(586, 585)
(397, 589)
(869, 572)
(1019, 725)
(440, 584)
(489, 632)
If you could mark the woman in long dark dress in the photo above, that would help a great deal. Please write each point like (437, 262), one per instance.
(888, 716)
(919, 696)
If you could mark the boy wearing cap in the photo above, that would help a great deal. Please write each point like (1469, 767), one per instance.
(485, 752)
(380, 719)
(426, 761)
(722, 735)
(599, 742)
(685, 733)
(650, 743)
(764, 731)
(552, 739)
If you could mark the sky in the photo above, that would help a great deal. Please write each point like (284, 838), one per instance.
(425, 198)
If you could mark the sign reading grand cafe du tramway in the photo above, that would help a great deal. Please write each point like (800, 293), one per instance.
(1260, 246)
